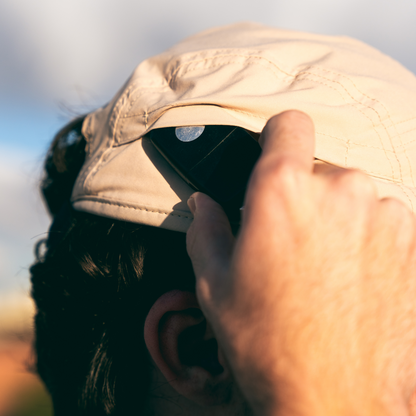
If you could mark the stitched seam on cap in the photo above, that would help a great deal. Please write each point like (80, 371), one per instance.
(371, 172)
(365, 115)
(409, 142)
(405, 121)
(355, 143)
(104, 154)
(348, 142)
(390, 138)
(346, 153)
(414, 195)
(369, 146)
(137, 91)
(135, 208)
(394, 126)
(243, 64)
(121, 121)
(380, 119)
(82, 175)
(137, 95)
(181, 105)
(403, 188)
(262, 58)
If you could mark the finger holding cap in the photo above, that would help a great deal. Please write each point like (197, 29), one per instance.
(288, 143)
(289, 136)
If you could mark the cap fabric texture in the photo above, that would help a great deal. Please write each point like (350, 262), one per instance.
(363, 105)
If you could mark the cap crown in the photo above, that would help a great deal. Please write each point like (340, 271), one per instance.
(362, 102)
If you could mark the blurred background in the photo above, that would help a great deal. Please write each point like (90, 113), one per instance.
(59, 58)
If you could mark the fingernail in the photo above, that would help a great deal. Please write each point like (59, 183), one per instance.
(192, 205)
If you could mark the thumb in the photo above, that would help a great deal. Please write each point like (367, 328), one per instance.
(209, 239)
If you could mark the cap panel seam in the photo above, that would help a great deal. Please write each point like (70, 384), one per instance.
(373, 147)
(403, 188)
(121, 121)
(194, 61)
(84, 172)
(383, 124)
(405, 121)
(410, 141)
(102, 156)
(370, 172)
(354, 143)
(179, 104)
(356, 101)
(133, 208)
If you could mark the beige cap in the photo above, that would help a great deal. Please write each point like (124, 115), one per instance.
(362, 102)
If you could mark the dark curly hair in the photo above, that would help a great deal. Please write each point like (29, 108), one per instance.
(93, 284)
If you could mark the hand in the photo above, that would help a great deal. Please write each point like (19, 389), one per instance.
(314, 304)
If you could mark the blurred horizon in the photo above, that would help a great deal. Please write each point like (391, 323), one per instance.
(70, 57)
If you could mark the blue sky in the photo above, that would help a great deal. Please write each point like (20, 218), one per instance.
(69, 56)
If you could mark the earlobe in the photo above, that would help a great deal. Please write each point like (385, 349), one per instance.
(184, 349)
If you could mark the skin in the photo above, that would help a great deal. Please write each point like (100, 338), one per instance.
(314, 303)
(183, 384)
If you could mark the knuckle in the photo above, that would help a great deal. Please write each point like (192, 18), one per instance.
(395, 208)
(291, 116)
(277, 180)
(353, 181)
(398, 216)
(280, 173)
(288, 117)
(283, 170)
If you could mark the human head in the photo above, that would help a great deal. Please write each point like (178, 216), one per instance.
(120, 183)
(97, 283)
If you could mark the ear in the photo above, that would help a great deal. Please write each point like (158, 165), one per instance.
(184, 349)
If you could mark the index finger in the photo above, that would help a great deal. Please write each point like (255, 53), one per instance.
(289, 136)
(288, 143)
